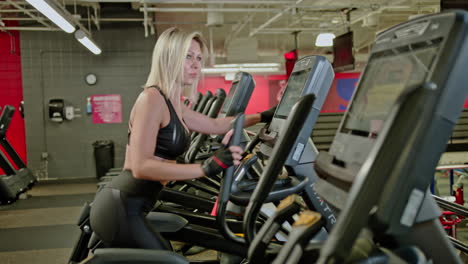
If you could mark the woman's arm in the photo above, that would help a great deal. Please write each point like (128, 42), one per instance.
(150, 111)
(206, 125)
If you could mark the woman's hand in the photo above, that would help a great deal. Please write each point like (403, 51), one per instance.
(221, 160)
(267, 115)
(236, 153)
(236, 150)
(227, 137)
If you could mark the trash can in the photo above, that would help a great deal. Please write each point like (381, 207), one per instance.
(103, 156)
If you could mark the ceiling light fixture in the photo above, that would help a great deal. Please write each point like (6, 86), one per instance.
(236, 69)
(83, 38)
(324, 40)
(53, 12)
(248, 65)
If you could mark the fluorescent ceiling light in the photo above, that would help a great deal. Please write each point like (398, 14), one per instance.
(81, 36)
(324, 40)
(52, 12)
(248, 65)
(236, 69)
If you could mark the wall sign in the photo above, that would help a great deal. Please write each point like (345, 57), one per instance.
(107, 108)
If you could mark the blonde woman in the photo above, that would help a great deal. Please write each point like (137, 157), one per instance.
(159, 132)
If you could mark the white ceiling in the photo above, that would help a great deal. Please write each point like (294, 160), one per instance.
(230, 26)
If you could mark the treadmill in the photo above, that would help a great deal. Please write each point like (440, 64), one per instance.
(23, 172)
(16, 181)
(10, 186)
(382, 159)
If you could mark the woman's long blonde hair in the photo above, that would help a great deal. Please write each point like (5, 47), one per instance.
(167, 67)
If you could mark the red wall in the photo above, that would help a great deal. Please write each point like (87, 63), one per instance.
(266, 88)
(11, 91)
(341, 91)
(262, 97)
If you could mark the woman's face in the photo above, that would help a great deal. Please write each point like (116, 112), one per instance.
(193, 60)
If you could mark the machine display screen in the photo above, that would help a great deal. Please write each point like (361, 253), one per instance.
(387, 75)
(227, 101)
(296, 83)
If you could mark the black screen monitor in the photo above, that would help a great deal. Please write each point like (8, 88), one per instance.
(5, 119)
(227, 101)
(406, 107)
(296, 83)
(239, 95)
(311, 75)
(388, 73)
(343, 56)
(453, 4)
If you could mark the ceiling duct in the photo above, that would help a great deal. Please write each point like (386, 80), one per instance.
(242, 50)
(214, 19)
(370, 21)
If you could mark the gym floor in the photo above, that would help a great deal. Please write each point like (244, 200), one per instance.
(42, 228)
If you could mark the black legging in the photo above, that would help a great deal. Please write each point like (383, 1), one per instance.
(119, 220)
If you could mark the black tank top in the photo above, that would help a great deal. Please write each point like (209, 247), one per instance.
(173, 140)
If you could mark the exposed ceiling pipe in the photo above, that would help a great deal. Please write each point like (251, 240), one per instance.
(118, 20)
(201, 9)
(179, 23)
(145, 18)
(37, 18)
(237, 29)
(364, 44)
(16, 10)
(82, 19)
(96, 17)
(354, 21)
(89, 18)
(239, 2)
(7, 4)
(152, 24)
(273, 19)
(121, 19)
(40, 19)
(212, 56)
(275, 32)
(18, 18)
(293, 29)
(32, 28)
(393, 5)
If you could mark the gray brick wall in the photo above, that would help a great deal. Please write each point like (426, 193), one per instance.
(54, 65)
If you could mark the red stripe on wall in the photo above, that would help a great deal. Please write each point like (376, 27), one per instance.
(262, 95)
(11, 87)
